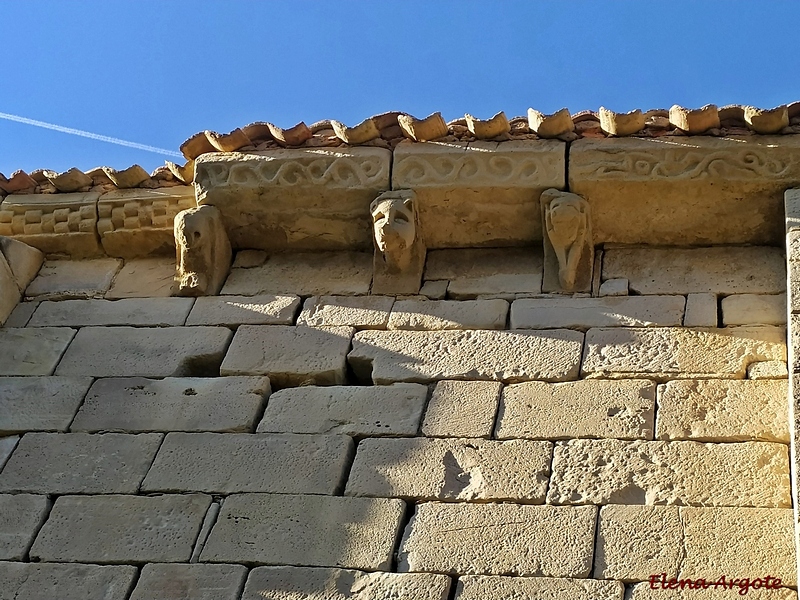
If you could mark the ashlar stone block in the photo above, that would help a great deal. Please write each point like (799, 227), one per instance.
(9, 291)
(7, 445)
(231, 311)
(462, 409)
(40, 403)
(360, 312)
(479, 587)
(26, 352)
(44, 581)
(144, 278)
(583, 313)
(21, 516)
(137, 312)
(754, 309)
(701, 310)
(190, 582)
(60, 279)
(422, 315)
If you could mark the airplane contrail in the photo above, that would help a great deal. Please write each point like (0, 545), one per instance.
(87, 134)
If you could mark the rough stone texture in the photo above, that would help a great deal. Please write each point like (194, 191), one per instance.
(568, 246)
(203, 252)
(324, 531)
(614, 287)
(21, 515)
(23, 260)
(226, 463)
(462, 409)
(451, 469)
(44, 581)
(79, 463)
(7, 445)
(150, 312)
(446, 314)
(672, 353)
(479, 587)
(754, 309)
(247, 259)
(20, 316)
(581, 409)
(492, 539)
(716, 270)
(60, 279)
(305, 274)
(768, 369)
(9, 292)
(27, 352)
(113, 529)
(434, 290)
(190, 582)
(144, 278)
(145, 352)
(642, 591)
(687, 473)
(237, 310)
(315, 583)
(723, 411)
(361, 312)
(291, 356)
(40, 403)
(358, 411)
(509, 356)
(701, 310)
(583, 313)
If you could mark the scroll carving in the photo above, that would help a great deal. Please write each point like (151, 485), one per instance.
(399, 249)
(568, 246)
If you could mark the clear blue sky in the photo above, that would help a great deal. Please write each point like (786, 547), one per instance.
(157, 72)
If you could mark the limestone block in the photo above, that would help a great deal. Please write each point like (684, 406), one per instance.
(400, 251)
(20, 316)
(290, 356)
(40, 403)
(723, 411)
(295, 199)
(434, 290)
(53, 223)
(754, 309)
(358, 411)
(305, 274)
(673, 353)
(451, 469)
(315, 583)
(542, 588)
(716, 270)
(360, 312)
(492, 539)
(227, 463)
(579, 409)
(583, 313)
(113, 529)
(139, 222)
(791, 199)
(28, 352)
(60, 279)
(21, 516)
(421, 315)
(44, 581)
(686, 473)
(643, 591)
(268, 309)
(768, 369)
(7, 445)
(568, 247)
(190, 582)
(479, 194)
(508, 356)
(144, 278)
(203, 252)
(9, 291)
(230, 404)
(614, 287)
(322, 531)
(142, 312)
(462, 409)
(701, 310)
(690, 191)
(24, 260)
(79, 463)
(145, 352)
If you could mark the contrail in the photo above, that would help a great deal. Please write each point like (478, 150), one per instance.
(87, 134)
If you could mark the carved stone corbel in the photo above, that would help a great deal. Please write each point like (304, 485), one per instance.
(399, 248)
(568, 246)
(203, 252)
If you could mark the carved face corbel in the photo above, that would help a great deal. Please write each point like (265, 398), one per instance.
(394, 227)
(566, 223)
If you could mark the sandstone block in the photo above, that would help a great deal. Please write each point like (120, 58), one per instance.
(701, 310)
(190, 582)
(7, 445)
(142, 312)
(60, 279)
(456, 538)
(144, 278)
(21, 516)
(614, 287)
(583, 313)
(353, 410)
(114, 529)
(23, 260)
(28, 352)
(237, 310)
(462, 409)
(226, 463)
(447, 314)
(477, 587)
(754, 309)
(579, 409)
(508, 356)
(768, 369)
(355, 533)
(44, 581)
(361, 312)
(291, 356)
(145, 352)
(40, 403)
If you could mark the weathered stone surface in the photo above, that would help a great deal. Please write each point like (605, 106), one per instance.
(291, 356)
(361, 312)
(447, 314)
(451, 469)
(44, 581)
(614, 287)
(701, 310)
(251, 310)
(579, 409)
(190, 582)
(32, 351)
(568, 247)
(305, 274)
(21, 515)
(20, 316)
(230, 404)
(143, 312)
(686, 473)
(227, 463)
(59, 279)
(723, 411)
(247, 259)
(113, 529)
(9, 291)
(583, 313)
(643, 591)
(768, 369)
(752, 309)
(491, 539)
(23, 260)
(542, 588)
(79, 463)
(144, 278)
(203, 252)
(315, 583)
(462, 409)
(7, 445)
(314, 531)
(357, 411)
(672, 353)
(508, 356)
(434, 290)
(145, 352)
(716, 270)
(40, 403)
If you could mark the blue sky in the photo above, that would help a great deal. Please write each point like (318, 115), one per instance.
(157, 72)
